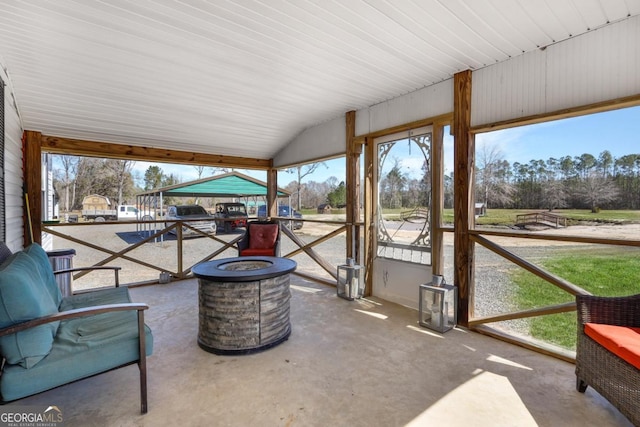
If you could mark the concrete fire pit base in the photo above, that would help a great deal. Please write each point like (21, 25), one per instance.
(243, 304)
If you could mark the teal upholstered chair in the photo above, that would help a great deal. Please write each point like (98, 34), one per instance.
(47, 341)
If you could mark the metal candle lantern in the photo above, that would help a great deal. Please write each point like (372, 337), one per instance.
(437, 306)
(349, 281)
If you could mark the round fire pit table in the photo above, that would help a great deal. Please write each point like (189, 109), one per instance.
(244, 303)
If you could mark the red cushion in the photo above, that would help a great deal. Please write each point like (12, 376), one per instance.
(620, 340)
(258, 252)
(263, 236)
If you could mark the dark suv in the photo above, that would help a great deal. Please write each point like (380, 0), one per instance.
(230, 216)
(283, 211)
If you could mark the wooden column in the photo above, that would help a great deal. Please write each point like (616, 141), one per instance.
(272, 192)
(32, 181)
(437, 199)
(464, 154)
(353, 187)
(369, 215)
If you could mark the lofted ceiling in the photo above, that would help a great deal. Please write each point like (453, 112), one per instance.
(243, 78)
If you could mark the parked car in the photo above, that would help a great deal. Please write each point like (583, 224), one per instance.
(206, 223)
(230, 216)
(284, 211)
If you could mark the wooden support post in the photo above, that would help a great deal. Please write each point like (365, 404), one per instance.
(369, 215)
(353, 187)
(272, 192)
(437, 199)
(464, 161)
(32, 179)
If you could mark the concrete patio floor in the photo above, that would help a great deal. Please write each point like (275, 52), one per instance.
(346, 363)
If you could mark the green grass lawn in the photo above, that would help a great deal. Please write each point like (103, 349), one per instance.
(605, 274)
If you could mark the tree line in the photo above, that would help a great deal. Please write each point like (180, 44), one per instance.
(75, 177)
(572, 182)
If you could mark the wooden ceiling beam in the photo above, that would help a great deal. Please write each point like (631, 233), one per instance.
(78, 147)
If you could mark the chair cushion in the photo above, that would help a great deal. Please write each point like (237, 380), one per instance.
(263, 236)
(99, 297)
(75, 356)
(622, 341)
(258, 252)
(41, 258)
(24, 296)
(5, 252)
(100, 327)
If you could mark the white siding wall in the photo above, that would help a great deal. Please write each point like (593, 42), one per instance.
(597, 66)
(13, 164)
(328, 139)
(324, 140)
(427, 102)
(399, 282)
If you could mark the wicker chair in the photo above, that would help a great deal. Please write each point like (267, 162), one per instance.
(608, 374)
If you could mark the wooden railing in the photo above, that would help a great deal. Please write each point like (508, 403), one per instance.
(480, 323)
(150, 232)
(154, 234)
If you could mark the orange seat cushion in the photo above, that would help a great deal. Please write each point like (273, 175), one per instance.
(263, 236)
(258, 252)
(622, 341)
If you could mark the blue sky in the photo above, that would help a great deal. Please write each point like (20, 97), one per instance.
(617, 131)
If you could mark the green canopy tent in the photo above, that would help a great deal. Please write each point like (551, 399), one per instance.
(229, 185)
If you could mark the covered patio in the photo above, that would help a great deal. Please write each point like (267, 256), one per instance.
(253, 85)
(359, 363)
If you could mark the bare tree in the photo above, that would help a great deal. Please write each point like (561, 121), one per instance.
(200, 170)
(301, 172)
(597, 190)
(492, 176)
(69, 168)
(554, 194)
(216, 170)
(121, 170)
(393, 186)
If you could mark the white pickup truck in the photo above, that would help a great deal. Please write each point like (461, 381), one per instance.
(122, 213)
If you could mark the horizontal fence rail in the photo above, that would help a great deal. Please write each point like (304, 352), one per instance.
(152, 232)
(480, 324)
